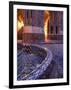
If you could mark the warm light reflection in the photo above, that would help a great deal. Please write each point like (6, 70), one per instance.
(20, 25)
(20, 19)
(46, 18)
(45, 31)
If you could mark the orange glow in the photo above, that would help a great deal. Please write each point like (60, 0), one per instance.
(45, 31)
(46, 18)
(20, 24)
(20, 20)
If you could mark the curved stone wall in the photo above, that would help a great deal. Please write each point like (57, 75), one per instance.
(46, 56)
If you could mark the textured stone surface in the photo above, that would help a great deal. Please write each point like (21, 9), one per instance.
(54, 70)
(32, 61)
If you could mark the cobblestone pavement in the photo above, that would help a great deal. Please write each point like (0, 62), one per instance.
(29, 59)
(55, 69)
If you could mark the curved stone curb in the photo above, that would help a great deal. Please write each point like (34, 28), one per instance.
(41, 68)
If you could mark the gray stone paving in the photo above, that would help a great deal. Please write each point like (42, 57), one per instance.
(55, 69)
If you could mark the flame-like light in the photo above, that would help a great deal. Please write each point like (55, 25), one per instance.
(46, 18)
(20, 22)
(20, 25)
(45, 31)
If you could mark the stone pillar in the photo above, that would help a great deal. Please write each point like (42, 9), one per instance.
(49, 22)
(58, 23)
(53, 25)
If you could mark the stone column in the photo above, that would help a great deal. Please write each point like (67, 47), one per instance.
(49, 22)
(53, 25)
(58, 23)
